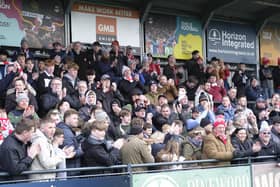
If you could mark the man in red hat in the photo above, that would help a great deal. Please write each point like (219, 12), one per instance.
(217, 145)
(276, 77)
(266, 77)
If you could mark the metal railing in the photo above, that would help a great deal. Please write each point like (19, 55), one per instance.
(128, 169)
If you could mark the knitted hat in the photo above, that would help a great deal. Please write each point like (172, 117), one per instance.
(152, 82)
(204, 122)
(101, 116)
(203, 97)
(105, 77)
(264, 126)
(21, 96)
(124, 69)
(218, 122)
(127, 107)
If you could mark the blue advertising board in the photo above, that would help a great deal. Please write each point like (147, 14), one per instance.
(232, 42)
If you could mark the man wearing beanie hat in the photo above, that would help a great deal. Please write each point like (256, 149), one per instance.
(23, 109)
(153, 94)
(135, 150)
(269, 147)
(192, 147)
(217, 145)
(207, 125)
(129, 83)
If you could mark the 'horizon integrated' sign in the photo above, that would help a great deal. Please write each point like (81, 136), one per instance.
(231, 42)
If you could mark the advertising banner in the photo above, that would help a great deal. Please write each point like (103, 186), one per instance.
(214, 177)
(39, 22)
(267, 175)
(121, 181)
(11, 25)
(43, 22)
(270, 43)
(232, 42)
(91, 22)
(165, 35)
(106, 29)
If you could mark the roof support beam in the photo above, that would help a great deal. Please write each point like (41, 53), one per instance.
(69, 5)
(265, 16)
(213, 7)
(147, 7)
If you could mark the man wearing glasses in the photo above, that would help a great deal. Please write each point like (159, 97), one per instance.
(269, 147)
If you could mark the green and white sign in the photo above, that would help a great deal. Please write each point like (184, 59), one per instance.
(216, 177)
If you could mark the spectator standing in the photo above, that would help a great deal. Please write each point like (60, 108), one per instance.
(244, 145)
(19, 86)
(135, 150)
(240, 80)
(70, 81)
(80, 58)
(46, 159)
(71, 121)
(93, 57)
(217, 145)
(46, 77)
(276, 77)
(23, 110)
(170, 70)
(97, 151)
(268, 146)
(16, 156)
(266, 78)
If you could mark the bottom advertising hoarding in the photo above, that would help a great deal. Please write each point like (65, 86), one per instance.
(107, 181)
(213, 177)
(266, 175)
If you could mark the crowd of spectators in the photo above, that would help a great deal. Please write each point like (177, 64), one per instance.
(99, 107)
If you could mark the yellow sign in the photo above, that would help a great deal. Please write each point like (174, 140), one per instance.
(187, 44)
(270, 44)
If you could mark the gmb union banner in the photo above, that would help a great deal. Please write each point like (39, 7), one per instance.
(91, 22)
(267, 175)
(214, 177)
(270, 43)
(179, 36)
(232, 42)
(40, 22)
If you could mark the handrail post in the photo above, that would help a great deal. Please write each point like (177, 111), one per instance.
(129, 169)
(251, 173)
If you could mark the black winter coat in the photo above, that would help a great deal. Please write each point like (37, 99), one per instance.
(242, 149)
(71, 92)
(13, 157)
(98, 153)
